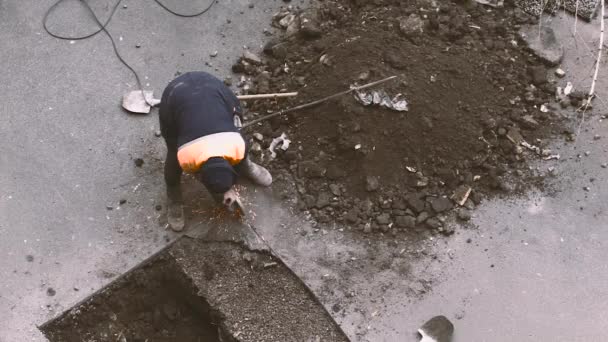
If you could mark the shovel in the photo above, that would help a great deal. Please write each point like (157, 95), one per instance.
(135, 102)
(437, 329)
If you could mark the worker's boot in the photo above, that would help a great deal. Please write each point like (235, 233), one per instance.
(175, 209)
(256, 173)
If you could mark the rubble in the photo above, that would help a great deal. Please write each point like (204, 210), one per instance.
(371, 164)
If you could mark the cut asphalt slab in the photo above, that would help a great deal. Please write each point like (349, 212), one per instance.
(530, 268)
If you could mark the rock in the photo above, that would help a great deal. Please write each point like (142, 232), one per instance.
(411, 26)
(367, 229)
(158, 207)
(50, 292)
(311, 169)
(258, 136)
(371, 183)
(323, 200)
(287, 20)
(335, 189)
(545, 45)
(441, 204)
(310, 29)
(422, 217)
(448, 230)
(405, 221)
(213, 54)
(352, 216)
(527, 121)
(29, 258)
(538, 74)
(157, 133)
(383, 219)
(434, 223)
(138, 162)
(560, 72)
(279, 51)
(252, 58)
(604, 165)
(415, 203)
(464, 215)
(309, 201)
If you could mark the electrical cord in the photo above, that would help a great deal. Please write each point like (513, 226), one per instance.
(102, 28)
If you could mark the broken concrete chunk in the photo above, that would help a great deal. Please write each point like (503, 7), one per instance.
(412, 25)
(371, 183)
(383, 219)
(441, 204)
(545, 45)
(252, 58)
(461, 194)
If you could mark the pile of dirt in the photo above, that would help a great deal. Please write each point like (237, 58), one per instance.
(474, 95)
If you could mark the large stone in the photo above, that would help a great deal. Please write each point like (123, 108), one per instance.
(405, 221)
(412, 25)
(323, 200)
(538, 74)
(441, 204)
(545, 45)
(383, 219)
(252, 58)
(415, 203)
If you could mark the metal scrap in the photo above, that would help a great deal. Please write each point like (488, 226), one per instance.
(381, 98)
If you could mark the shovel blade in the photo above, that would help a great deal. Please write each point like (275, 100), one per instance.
(134, 101)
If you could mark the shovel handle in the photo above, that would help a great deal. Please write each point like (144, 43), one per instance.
(266, 96)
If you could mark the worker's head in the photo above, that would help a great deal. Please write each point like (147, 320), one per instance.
(217, 175)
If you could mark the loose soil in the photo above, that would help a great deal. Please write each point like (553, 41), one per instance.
(474, 95)
(200, 291)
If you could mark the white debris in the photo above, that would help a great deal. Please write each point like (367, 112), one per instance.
(569, 88)
(552, 156)
(358, 147)
(410, 169)
(275, 142)
(381, 98)
(492, 3)
(544, 108)
(560, 72)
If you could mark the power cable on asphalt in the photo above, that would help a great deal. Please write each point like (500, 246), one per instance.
(103, 26)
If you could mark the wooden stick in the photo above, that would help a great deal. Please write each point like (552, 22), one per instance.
(597, 69)
(266, 96)
(314, 103)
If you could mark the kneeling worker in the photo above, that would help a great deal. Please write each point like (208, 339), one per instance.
(197, 121)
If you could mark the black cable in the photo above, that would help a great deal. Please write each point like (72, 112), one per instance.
(102, 27)
(186, 15)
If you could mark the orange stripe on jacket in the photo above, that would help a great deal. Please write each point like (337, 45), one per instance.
(228, 145)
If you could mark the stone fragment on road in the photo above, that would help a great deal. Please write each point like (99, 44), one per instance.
(441, 204)
(371, 183)
(411, 26)
(461, 194)
(252, 58)
(545, 46)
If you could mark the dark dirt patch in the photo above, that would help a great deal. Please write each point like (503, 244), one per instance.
(467, 79)
(153, 303)
(200, 291)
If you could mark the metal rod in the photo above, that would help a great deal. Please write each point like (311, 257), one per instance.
(314, 103)
(266, 96)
